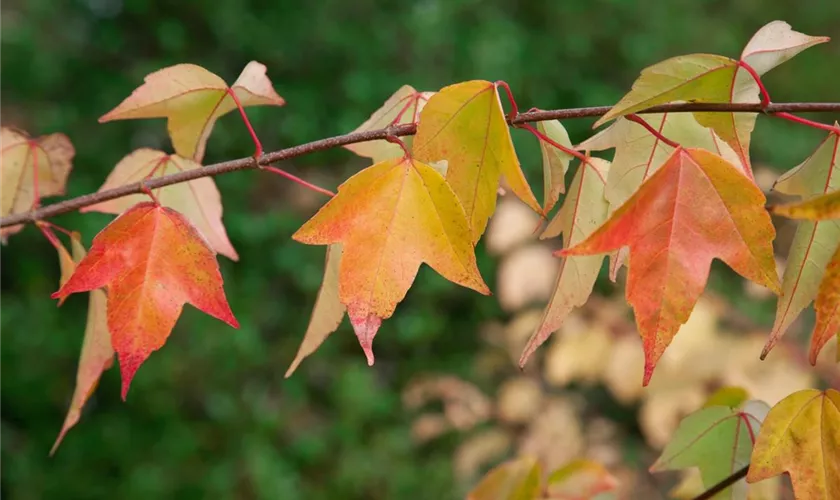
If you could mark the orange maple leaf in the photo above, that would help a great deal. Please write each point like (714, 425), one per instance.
(153, 261)
(391, 217)
(695, 208)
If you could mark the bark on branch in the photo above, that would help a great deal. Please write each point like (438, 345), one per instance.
(74, 204)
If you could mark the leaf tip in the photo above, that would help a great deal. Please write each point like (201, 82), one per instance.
(366, 328)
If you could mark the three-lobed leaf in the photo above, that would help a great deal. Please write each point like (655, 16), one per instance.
(465, 125)
(801, 436)
(21, 157)
(583, 211)
(199, 199)
(192, 99)
(812, 248)
(390, 218)
(673, 239)
(153, 261)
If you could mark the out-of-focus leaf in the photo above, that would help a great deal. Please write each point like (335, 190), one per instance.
(517, 479)
(580, 479)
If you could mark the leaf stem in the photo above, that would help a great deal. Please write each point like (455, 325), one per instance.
(48, 234)
(396, 140)
(297, 179)
(765, 96)
(539, 135)
(805, 121)
(147, 190)
(641, 121)
(514, 109)
(36, 201)
(257, 143)
(584, 159)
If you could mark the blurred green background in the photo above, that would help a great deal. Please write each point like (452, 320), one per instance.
(210, 415)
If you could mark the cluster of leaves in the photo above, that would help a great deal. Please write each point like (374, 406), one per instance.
(679, 193)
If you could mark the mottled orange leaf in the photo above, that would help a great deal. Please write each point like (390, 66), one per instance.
(153, 261)
(192, 99)
(823, 207)
(20, 157)
(402, 107)
(673, 238)
(97, 353)
(555, 161)
(583, 211)
(465, 125)
(814, 241)
(327, 313)
(391, 217)
(517, 479)
(713, 78)
(638, 154)
(801, 436)
(199, 199)
(580, 479)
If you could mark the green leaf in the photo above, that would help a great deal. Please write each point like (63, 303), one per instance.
(718, 440)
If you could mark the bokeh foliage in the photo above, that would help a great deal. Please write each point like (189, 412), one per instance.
(211, 415)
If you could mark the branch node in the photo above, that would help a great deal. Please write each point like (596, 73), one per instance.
(145, 189)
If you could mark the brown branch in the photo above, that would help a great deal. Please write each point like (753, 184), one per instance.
(723, 484)
(394, 131)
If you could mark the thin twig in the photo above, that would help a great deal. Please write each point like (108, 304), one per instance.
(370, 135)
(725, 483)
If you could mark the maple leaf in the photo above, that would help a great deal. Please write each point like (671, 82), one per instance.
(583, 211)
(673, 240)
(718, 440)
(97, 354)
(465, 125)
(824, 207)
(192, 99)
(713, 78)
(827, 305)
(390, 218)
(555, 161)
(153, 261)
(813, 243)
(20, 157)
(638, 154)
(199, 199)
(517, 479)
(402, 107)
(801, 436)
(327, 313)
(580, 480)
